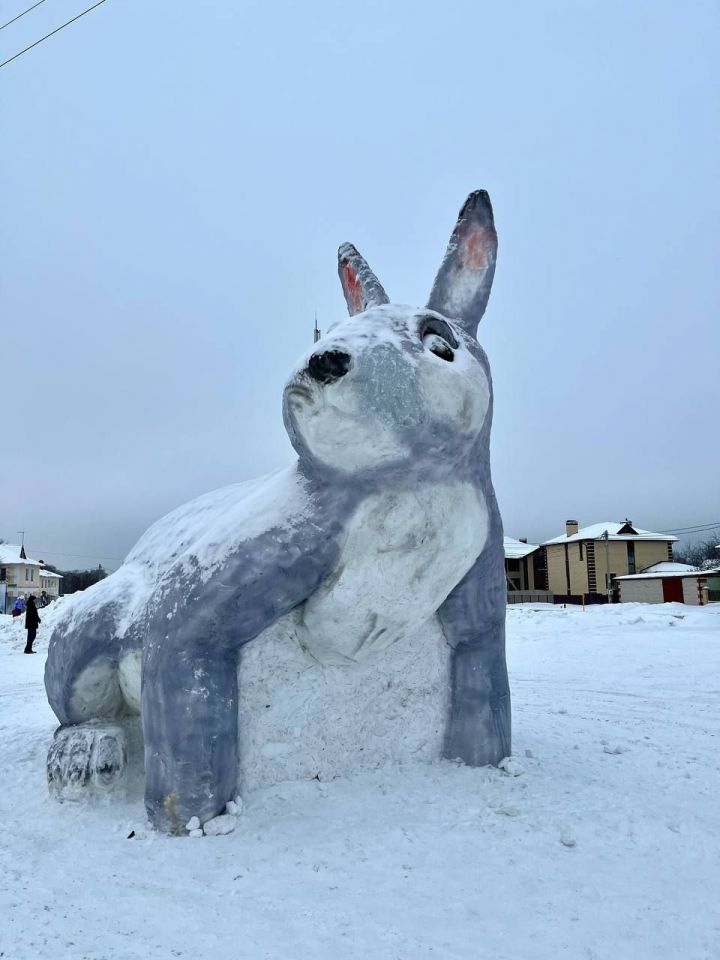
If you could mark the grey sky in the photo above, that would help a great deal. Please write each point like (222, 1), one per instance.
(178, 178)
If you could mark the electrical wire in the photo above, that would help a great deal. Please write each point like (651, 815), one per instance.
(79, 556)
(697, 528)
(2, 27)
(52, 33)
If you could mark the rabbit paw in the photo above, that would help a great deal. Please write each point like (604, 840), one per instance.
(85, 759)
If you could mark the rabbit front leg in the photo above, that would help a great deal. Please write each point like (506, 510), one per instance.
(478, 729)
(189, 708)
(473, 619)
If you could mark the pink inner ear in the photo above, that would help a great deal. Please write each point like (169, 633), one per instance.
(475, 248)
(353, 290)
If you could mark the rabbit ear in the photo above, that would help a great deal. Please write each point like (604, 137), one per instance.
(361, 287)
(462, 286)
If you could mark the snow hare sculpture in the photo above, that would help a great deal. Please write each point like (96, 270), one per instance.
(387, 519)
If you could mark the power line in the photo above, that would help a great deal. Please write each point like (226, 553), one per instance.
(52, 33)
(21, 14)
(80, 556)
(697, 528)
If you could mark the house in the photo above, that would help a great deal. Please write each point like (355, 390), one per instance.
(671, 586)
(519, 565)
(23, 576)
(50, 583)
(582, 563)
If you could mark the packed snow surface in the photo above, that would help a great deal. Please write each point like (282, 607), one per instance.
(599, 840)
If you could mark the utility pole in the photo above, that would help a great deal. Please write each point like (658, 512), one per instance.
(316, 331)
(606, 538)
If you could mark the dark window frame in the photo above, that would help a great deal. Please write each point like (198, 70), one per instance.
(631, 557)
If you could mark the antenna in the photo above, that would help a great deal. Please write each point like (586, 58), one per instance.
(316, 331)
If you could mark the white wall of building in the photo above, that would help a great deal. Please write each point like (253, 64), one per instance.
(690, 590)
(641, 591)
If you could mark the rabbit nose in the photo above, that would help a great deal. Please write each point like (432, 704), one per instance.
(329, 366)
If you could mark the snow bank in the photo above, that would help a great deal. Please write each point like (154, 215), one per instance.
(587, 852)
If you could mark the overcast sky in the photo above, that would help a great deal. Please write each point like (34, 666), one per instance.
(177, 178)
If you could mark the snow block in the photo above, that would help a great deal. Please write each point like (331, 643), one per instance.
(370, 573)
(511, 767)
(219, 826)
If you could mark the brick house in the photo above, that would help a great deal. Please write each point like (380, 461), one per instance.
(578, 561)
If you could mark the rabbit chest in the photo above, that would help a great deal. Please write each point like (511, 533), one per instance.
(404, 552)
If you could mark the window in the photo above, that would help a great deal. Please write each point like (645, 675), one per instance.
(581, 550)
(539, 560)
(631, 557)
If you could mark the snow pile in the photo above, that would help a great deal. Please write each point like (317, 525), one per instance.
(300, 719)
(598, 839)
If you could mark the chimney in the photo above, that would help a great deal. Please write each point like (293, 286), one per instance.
(571, 528)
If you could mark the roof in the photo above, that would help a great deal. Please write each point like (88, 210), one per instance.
(665, 576)
(50, 573)
(10, 553)
(517, 549)
(596, 531)
(669, 566)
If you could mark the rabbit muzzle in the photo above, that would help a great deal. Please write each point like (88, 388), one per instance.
(383, 386)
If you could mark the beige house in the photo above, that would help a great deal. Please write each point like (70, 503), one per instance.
(579, 561)
(23, 576)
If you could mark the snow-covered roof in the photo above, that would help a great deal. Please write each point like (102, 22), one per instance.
(50, 573)
(596, 531)
(664, 576)
(517, 549)
(669, 566)
(10, 553)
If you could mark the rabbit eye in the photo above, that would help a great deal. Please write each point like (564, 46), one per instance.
(438, 338)
(438, 346)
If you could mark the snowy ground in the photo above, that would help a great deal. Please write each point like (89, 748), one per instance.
(606, 846)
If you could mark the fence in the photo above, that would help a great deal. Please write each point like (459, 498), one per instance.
(529, 596)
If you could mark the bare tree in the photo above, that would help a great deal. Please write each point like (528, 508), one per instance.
(701, 554)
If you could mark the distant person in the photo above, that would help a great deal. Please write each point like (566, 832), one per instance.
(44, 599)
(18, 607)
(32, 622)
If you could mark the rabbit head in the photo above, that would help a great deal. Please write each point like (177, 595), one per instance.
(393, 385)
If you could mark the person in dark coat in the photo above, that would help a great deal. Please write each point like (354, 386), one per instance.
(32, 622)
